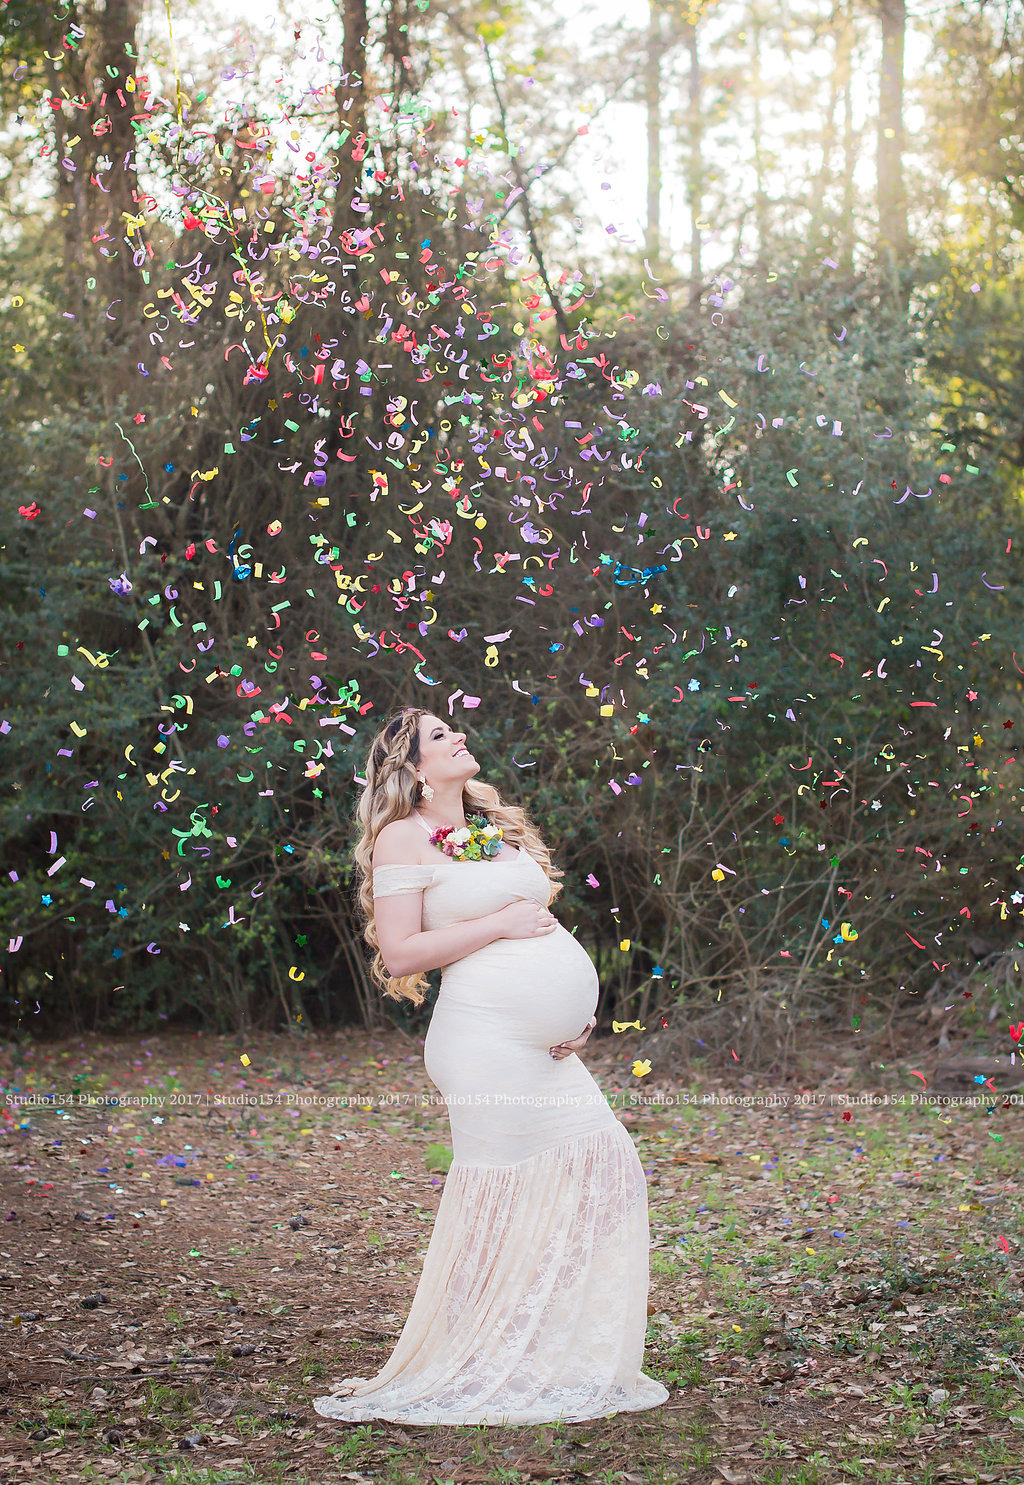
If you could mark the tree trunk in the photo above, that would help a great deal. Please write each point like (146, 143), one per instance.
(820, 194)
(892, 203)
(760, 193)
(652, 101)
(695, 162)
(844, 67)
(100, 214)
(115, 211)
(350, 95)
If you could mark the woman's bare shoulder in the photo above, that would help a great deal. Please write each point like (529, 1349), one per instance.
(400, 843)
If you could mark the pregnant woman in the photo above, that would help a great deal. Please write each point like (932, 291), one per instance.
(532, 1303)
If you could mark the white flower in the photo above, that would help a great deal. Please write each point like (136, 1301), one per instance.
(489, 831)
(460, 836)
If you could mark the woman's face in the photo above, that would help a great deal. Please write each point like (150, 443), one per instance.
(444, 757)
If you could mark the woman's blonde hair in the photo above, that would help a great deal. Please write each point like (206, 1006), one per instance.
(392, 792)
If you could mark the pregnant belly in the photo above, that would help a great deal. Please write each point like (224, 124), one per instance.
(539, 991)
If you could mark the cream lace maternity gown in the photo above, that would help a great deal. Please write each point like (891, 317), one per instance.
(532, 1303)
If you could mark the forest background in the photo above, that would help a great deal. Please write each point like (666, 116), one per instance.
(336, 378)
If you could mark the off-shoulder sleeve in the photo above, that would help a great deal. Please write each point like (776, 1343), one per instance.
(389, 881)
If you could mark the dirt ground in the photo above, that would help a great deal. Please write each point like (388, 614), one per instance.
(196, 1247)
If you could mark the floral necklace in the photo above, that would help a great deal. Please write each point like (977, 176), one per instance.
(480, 842)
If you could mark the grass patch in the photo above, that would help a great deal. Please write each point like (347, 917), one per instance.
(815, 1282)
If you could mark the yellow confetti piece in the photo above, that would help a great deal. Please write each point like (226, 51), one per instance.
(717, 876)
(78, 731)
(607, 711)
(244, 1060)
(624, 944)
(641, 1069)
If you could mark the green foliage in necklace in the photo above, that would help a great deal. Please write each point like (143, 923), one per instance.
(480, 842)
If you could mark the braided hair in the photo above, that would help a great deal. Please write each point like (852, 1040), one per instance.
(392, 792)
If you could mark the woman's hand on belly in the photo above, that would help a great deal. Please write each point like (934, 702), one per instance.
(566, 1049)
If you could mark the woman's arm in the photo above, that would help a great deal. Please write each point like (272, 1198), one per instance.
(407, 950)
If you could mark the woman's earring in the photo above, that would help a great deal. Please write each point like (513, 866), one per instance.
(426, 792)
